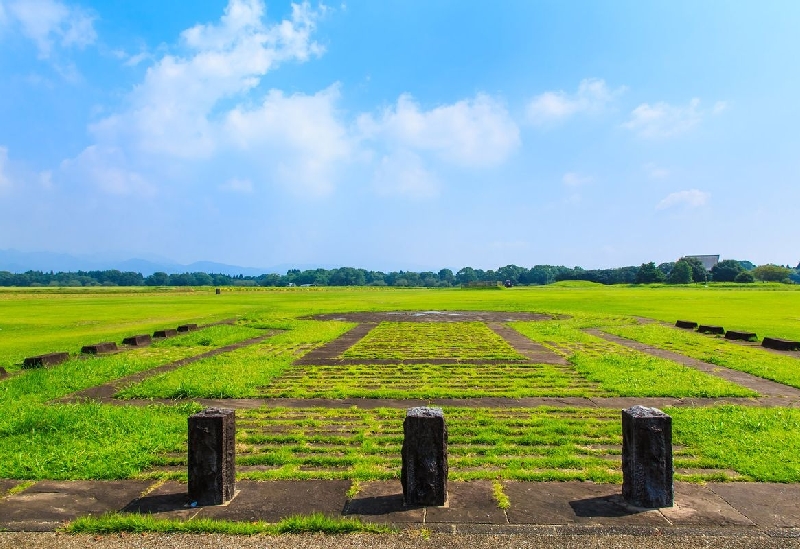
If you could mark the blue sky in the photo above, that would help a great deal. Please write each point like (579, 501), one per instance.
(401, 134)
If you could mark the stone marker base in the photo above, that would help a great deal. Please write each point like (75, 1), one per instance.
(424, 470)
(780, 344)
(686, 324)
(212, 450)
(169, 332)
(647, 457)
(740, 336)
(3, 373)
(187, 327)
(141, 340)
(708, 329)
(99, 348)
(40, 361)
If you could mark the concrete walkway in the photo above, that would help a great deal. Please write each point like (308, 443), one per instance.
(773, 509)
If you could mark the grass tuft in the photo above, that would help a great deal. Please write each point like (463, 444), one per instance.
(115, 523)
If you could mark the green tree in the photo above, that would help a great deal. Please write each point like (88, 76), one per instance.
(745, 277)
(699, 272)
(157, 279)
(466, 275)
(771, 273)
(726, 270)
(648, 273)
(681, 273)
(447, 277)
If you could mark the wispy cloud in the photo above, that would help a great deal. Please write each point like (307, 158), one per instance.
(573, 179)
(236, 185)
(551, 107)
(662, 120)
(656, 172)
(5, 179)
(688, 199)
(402, 173)
(49, 23)
(476, 132)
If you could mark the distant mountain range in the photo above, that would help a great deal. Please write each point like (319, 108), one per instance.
(16, 261)
(19, 262)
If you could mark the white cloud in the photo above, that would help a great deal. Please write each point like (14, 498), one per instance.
(555, 106)
(48, 22)
(202, 106)
(572, 179)
(171, 111)
(403, 174)
(107, 169)
(720, 107)
(688, 199)
(300, 134)
(473, 132)
(664, 120)
(236, 185)
(5, 179)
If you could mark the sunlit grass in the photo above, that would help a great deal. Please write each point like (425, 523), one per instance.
(116, 523)
(426, 340)
(241, 373)
(719, 351)
(622, 371)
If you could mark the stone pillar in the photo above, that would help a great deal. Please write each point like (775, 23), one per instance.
(424, 470)
(647, 457)
(212, 448)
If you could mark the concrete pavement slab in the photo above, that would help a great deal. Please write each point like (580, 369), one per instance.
(698, 505)
(274, 500)
(769, 505)
(469, 502)
(575, 502)
(47, 504)
(169, 500)
(382, 501)
(6, 485)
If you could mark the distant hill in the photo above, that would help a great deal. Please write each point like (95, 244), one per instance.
(19, 262)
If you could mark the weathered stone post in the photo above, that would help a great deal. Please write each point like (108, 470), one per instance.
(424, 471)
(212, 448)
(647, 457)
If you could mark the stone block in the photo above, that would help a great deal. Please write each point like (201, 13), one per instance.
(709, 329)
(780, 344)
(187, 327)
(40, 361)
(99, 348)
(424, 470)
(740, 336)
(212, 450)
(686, 324)
(217, 291)
(141, 340)
(3, 373)
(647, 457)
(169, 332)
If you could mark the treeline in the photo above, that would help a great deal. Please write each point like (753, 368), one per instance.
(684, 271)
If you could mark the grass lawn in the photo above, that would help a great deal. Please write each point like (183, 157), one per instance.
(39, 439)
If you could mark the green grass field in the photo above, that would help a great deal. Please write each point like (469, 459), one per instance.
(42, 439)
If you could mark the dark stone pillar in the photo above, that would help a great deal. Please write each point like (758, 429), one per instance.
(41, 361)
(647, 457)
(424, 471)
(212, 448)
(217, 291)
